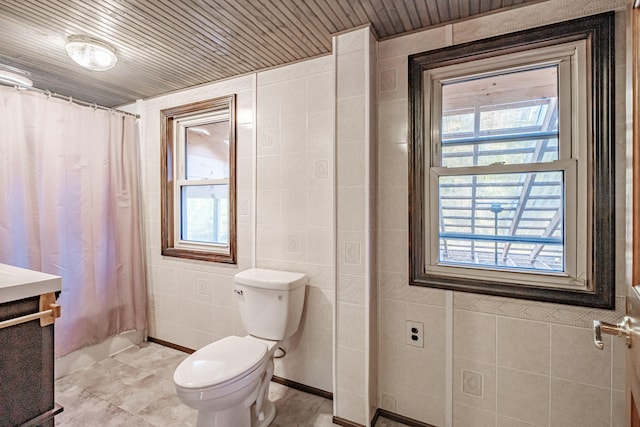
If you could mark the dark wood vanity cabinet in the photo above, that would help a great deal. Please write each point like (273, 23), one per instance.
(26, 368)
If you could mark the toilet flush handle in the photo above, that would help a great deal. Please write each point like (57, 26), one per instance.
(238, 291)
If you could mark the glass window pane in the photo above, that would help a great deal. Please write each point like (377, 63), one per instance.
(205, 214)
(470, 253)
(458, 123)
(513, 221)
(512, 116)
(207, 151)
(509, 118)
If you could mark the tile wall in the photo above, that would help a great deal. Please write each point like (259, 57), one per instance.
(285, 217)
(372, 176)
(487, 361)
(356, 324)
(191, 303)
(295, 200)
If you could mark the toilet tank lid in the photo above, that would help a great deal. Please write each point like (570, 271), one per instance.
(271, 279)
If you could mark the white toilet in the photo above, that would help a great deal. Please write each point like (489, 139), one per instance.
(228, 381)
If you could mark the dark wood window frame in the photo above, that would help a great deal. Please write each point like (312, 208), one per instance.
(167, 119)
(598, 31)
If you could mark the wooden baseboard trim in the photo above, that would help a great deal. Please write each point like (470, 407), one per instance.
(398, 418)
(44, 419)
(302, 387)
(375, 417)
(170, 345)
(345, 423)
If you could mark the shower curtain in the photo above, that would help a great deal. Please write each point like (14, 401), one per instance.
(69, 206)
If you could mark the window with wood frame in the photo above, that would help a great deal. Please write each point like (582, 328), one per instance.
(198, 180)
(511, 173)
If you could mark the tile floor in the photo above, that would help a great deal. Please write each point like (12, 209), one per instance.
(135, 388)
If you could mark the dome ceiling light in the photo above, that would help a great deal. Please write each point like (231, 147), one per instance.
(13, 79)
(91, 53)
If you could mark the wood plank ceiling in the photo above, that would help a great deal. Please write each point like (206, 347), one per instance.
(167, 45)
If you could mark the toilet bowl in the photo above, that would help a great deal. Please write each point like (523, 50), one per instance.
(223, 380)
(227, 381)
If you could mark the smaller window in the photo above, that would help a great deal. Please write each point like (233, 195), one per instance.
(198, 181)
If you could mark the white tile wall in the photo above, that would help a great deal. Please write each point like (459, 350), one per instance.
(356, 323)
(523, 345)
(537, 361)
(295, 202)
(575, 404)
(533, 16)
(191, 302)
(474, 336)
(523, 396)
(469, 416)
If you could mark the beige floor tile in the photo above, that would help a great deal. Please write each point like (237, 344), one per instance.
(135, 388)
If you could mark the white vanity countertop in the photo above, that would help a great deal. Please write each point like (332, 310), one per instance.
(19, 283)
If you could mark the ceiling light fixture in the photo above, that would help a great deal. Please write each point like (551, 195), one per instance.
(14, 79)
(91, 53)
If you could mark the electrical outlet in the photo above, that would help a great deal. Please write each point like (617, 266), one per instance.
(415, 333)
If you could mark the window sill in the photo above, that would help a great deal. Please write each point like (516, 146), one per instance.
(600, 298)
(199, 255)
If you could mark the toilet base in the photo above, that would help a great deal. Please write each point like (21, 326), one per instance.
(269, 411)
(239, 416)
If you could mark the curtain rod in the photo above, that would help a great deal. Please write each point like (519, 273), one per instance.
(75, 101)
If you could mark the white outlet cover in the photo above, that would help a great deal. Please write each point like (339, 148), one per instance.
(419, 326)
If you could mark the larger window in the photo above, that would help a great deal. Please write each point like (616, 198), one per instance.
(512, 188)
(198, 181)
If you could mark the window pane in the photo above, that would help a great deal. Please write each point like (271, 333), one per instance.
(510, 118)
(488, 153)
(205, 214)
(207, 151)
(528, 114)
(458, 123)
(513, 221)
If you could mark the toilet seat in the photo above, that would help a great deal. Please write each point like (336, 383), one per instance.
(222, 362)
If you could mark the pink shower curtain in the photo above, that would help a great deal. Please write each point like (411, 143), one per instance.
(69, 205)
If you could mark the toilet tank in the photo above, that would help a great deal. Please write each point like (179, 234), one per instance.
(270, 302)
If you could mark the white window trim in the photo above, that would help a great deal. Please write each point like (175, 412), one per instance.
(573, 146)
(179, 165)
